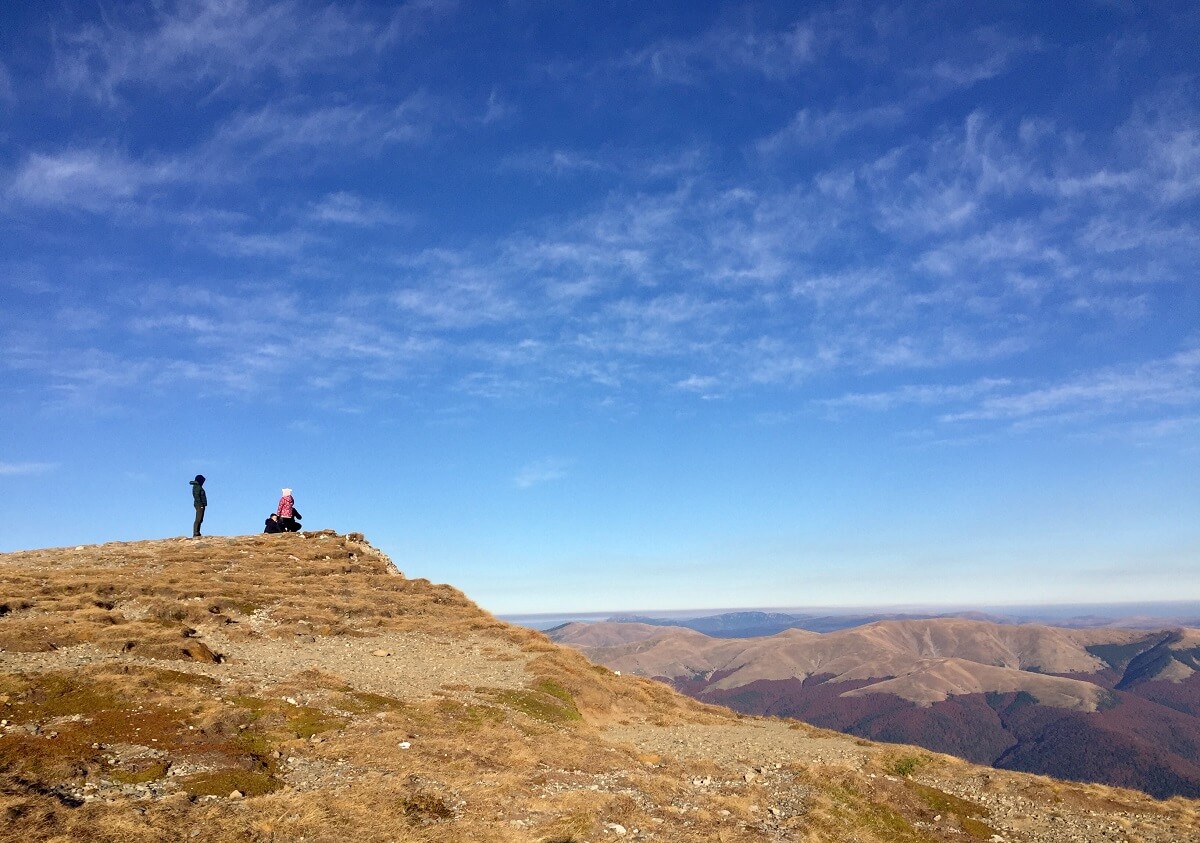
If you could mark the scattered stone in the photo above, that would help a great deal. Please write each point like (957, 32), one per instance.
(237, 794)
(404, 744)
(383, 653)
(616, 829)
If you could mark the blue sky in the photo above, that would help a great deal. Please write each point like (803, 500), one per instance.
(615, 306)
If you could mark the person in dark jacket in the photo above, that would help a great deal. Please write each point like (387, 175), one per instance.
(201, 501)
(273, 524)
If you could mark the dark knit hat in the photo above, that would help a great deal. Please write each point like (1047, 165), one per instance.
(199, 478)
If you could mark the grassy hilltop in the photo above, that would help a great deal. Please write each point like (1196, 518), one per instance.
(297, 687)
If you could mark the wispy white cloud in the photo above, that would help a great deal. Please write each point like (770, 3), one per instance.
(290, 244)
(705, 386)
(771, 53)
(925, 395)
(343, 208)
(924, 69)
(17, 469)
(813, 127)
(415, 18)
(1163, 136)
(449, 291)
(91, 179)
(625, 164)
(214, 43)
(981, 54)
(277, 129)
(1169, 382)
(541, 472)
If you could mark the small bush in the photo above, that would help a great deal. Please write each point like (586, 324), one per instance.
(906, 765)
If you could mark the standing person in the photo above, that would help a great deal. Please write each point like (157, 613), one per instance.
(200, 499)
(287, 512)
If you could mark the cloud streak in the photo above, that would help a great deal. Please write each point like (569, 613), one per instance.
(217, 44)
(24, 469)
(541, 472)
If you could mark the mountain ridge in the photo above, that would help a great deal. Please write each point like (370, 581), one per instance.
(951, 678)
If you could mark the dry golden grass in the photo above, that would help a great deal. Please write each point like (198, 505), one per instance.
(122, 722)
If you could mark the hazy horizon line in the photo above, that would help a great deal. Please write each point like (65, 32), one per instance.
(1151, 607)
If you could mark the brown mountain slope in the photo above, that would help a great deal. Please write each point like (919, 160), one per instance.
(1112, 706)
(297, 687)
(886, 650)
(937, 679)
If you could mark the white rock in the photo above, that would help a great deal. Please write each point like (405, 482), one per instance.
(404, 744)
(616, 829)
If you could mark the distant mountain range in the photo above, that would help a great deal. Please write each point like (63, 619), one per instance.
(753, 624)
(1116, 706)
(749, 624)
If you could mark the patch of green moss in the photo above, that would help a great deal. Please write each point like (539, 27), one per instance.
(308, 721)
(881, 820)
(255, 743)
(225, 782)
(968, 813)
(549, 686)
(56, 695)
(470, 715)
(364, 702)
(978, 830)
(891, 825)
(147, 773)
(539, 704)
(300, 721)
(905, 765)
(946, 803)
(256, 706)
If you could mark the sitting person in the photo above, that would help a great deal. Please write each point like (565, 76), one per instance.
(289, 516)
(292, 525)
(273, 524)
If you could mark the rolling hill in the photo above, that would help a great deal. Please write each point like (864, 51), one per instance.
(1104, 705)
